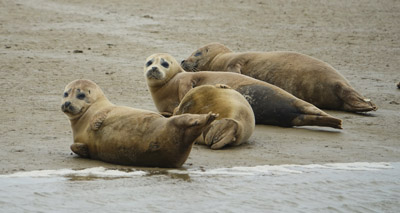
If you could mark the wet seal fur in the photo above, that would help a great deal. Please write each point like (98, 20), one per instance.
(305, 77)
(124, 135)
(168, 83)
(235, 123)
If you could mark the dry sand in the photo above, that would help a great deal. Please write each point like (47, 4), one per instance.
(46, 44)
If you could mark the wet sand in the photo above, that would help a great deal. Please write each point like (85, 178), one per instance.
(44, 45)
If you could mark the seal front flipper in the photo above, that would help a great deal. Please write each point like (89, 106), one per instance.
(234, 68)
(98, 119)
(80, 149)
(184, 88)
(166, 114)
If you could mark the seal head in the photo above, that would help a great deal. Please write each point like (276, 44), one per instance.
(203, 57)
(78, 96)
(160, 68)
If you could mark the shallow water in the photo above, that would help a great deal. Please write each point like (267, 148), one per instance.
(351, 187)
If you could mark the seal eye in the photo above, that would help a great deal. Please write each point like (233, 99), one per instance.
(149, 63)
(81, 96)
(65, 94)
(197, 54)
(165, 64)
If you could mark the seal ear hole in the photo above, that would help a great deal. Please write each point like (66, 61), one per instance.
(89, 91)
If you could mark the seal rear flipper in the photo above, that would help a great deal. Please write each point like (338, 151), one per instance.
(221, 133)
(191, 120)
(317, 120)
(352, 100)
(358, 104)
(80, 149)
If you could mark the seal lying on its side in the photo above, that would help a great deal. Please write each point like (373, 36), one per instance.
(124, 135)
(303, 76)
(168, 83)
(235, 122)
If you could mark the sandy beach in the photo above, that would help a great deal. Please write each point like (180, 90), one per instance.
(44, 45)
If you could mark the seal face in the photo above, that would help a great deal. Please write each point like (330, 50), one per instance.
(235, 122)
(157, 69)
(124, 135)
(303, 76)
(168, 92)
(78, 96)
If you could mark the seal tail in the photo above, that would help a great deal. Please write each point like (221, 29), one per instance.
(317, 120)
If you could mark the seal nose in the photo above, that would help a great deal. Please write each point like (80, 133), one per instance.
(67, 103)
(154, 69)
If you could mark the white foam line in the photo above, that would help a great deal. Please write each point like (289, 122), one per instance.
(268, 170)
(287, 169)
(93, 172)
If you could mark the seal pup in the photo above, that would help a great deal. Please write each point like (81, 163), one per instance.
(235, 123)
(124, 135)
(305, 77)
(168, 83)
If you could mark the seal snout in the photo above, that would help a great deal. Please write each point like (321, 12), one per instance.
(190, 67)
(66, 107)
(154, 73)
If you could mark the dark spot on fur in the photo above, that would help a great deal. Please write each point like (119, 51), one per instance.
(154, 146)
(268, 109)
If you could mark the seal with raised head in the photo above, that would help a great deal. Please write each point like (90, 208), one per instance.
(124, 135)
(235, 123)
(305, 77)
(168, 83)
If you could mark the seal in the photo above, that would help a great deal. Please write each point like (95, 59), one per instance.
(235, 123)
(124, 135)
(168, 83)
(305, 77)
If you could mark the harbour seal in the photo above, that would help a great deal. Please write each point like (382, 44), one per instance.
(235, 123)
(124, 135)
(168, 83)
(305, 77)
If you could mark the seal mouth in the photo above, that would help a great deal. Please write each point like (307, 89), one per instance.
(70, 110)
(190, 68)
(155, 73)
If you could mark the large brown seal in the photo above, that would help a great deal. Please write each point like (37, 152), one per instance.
(235, 123)
(303, 76)
(124, 135)
(168, 83)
